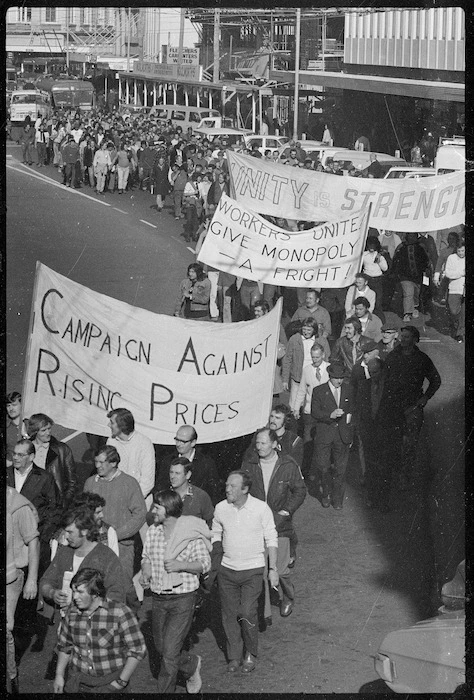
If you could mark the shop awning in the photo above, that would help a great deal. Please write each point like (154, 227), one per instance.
(426, 89)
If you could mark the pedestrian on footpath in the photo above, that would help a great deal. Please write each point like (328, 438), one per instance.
(99, 640)
(42, 143)
(175, 554)
(243, 530)
(27, 140)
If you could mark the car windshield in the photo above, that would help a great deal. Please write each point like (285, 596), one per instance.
(24, 99)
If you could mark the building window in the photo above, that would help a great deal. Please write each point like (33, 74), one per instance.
(50, 14)
(24, 14)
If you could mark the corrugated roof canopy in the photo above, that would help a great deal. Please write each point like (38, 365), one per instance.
(427, 89)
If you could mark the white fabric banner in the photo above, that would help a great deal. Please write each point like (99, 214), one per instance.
(89, 353)
(249, 246)
(426, 204)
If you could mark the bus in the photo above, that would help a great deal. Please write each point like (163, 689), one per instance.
(24, 103)
(73, 93)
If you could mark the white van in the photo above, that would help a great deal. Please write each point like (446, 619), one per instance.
(450, 157)
(29, 102)
(183, 116)
(232, 137)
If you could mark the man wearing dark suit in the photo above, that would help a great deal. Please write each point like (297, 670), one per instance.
(38, 486)
(332, 408)
(204, 472)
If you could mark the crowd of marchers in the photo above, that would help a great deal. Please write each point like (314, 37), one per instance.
(181, 526)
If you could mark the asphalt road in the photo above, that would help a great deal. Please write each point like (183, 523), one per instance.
(359, 573)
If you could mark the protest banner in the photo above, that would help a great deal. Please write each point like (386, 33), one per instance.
(247, 245)
(427, 204)
(89, 353)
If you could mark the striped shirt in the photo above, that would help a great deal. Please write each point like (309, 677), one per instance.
(100, 642)
(154, 554)
(244, 533)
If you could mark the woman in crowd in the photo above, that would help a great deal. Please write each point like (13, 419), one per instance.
(374, 265)
(194, 295)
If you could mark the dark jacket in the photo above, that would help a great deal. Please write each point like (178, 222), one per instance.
(286, 490)
(410, 261)
(39, 488)
(290, 443)
(342, 350)
(322, 405)
(160, 178)
(60, 463)
(204, 475)
(405, 377)
(101, 558)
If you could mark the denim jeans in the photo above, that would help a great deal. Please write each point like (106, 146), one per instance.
(172, 616)
(13, 592)
(239, 592)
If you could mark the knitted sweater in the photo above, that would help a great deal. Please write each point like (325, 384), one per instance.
(125, 507)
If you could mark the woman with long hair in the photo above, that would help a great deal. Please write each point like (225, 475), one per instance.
(194, 295)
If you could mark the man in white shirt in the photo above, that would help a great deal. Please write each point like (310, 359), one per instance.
(242, 527)
(360, 288)
(137, 455)
(313, 375)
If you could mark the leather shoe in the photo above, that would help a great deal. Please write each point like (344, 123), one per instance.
(325, 501)
(286, 608)
(337, 506)
(233, 666)
(248, 664)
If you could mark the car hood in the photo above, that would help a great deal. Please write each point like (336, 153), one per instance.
(439, 640)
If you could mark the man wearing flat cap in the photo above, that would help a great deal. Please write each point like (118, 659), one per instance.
(332, 408)
(390, 333)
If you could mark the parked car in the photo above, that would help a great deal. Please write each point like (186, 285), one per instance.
(400, 172)
(430, 656)
(265, 142)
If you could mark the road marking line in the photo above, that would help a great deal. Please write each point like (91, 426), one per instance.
(9, 155)
(191, 249)
(148, 223)
(57, 184)
(72, 436)
(429, 340)
(120, 210)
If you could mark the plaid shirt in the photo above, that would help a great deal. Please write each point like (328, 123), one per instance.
(154, 554)
(100, 642)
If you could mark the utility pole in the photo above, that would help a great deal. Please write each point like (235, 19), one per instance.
(181, 37)
(217, 32)
(297, 73)
(128, 42)
(67, 38)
